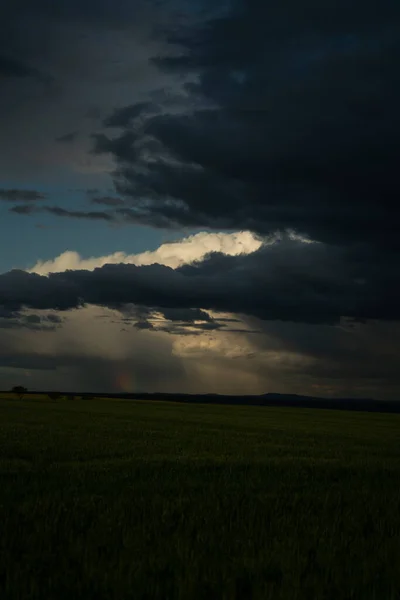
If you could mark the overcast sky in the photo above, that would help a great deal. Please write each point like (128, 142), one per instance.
(200, 196)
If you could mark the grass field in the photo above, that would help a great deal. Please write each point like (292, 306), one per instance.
(114, 499)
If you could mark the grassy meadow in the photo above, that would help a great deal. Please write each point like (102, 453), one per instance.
(116, 499)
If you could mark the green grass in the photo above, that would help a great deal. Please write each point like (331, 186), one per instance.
(113, 499)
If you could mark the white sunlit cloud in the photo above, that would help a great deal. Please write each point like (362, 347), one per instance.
(173, 254)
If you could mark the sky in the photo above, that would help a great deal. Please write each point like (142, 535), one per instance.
(200, 196)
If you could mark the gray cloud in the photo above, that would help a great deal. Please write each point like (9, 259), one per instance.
(288, 280)
(46, 90)
(10, 67)
(67, 138)
(180, 321)
(58, 211)
(92, 354)
(189, 315)
(349, 359)
(88, 355)
(122, 147)
(187, 329)
(288, 120)
(19, 195)
(78, 214)
(292, 123)
(17, 320)
(143, 325)
(107, 200)
(24, 209)
(123, 117)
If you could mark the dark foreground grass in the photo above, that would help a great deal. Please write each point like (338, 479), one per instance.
(111, 499)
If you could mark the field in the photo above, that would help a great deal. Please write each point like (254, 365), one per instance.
(114, 499)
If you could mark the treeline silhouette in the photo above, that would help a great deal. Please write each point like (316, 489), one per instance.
(270, 399)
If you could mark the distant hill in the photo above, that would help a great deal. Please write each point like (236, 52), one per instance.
(268, 399)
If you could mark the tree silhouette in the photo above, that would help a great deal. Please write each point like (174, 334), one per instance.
(54, 395)
(20, 390)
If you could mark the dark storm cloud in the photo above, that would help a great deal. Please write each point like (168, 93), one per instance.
(10, 67)
(179, 321)
(64, 63)
(123, 117)
(299, 126)
(367, 355)
(189, 328)
(145, 214)
(288, 280)
(106, 12)
(24, 209)
(67, 138)
(143, 325)
(183, 321)
(78, 214)
(122, 147)
(53, 318)
(107, 201)
(14, 195)
(189, 315)
(179, 328)
(16, 320)
(291, 121)
(58, 211)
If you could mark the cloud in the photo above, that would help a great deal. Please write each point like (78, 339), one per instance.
(46, 90)
(24, 209)
(58, 211)
(122, 146)
(292, 123)
(89, 354)
(107, 201)
(10, 67)
(172, 254)
(143, 325)
(67, 138)
(350, 360)
(285, 280)
(292, 127)
(123, 117)
(37, 322)
(251, 116)
(178, 321)
(19, 195)
(187, 315)
(78, 214)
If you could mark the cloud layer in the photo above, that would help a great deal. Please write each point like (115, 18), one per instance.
(95, 351)
(300, 345)
(293, 123)
(278, 121)
(172, 254)
(61, 69)
(19, 195)
(287, 279)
